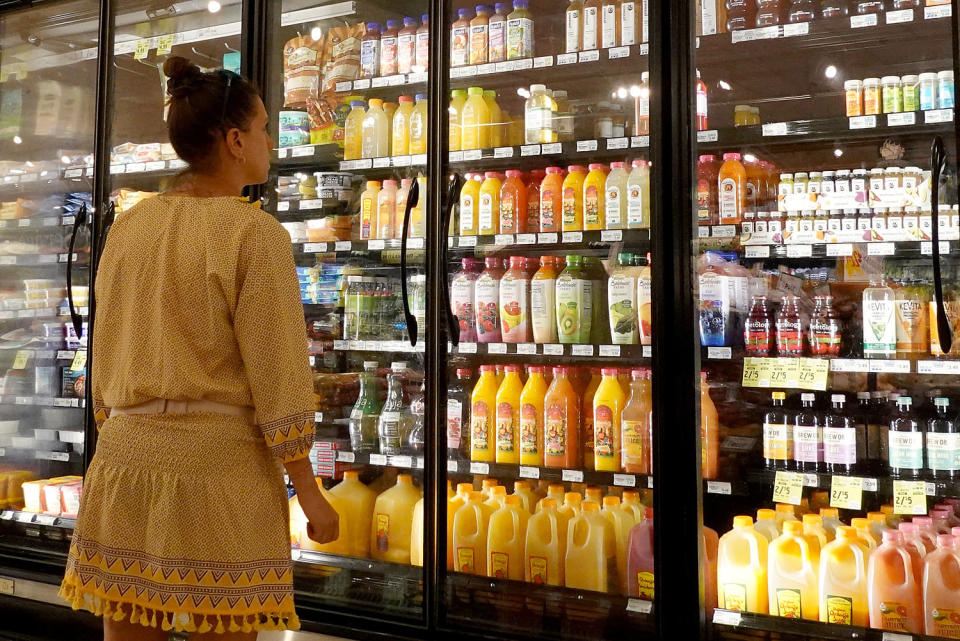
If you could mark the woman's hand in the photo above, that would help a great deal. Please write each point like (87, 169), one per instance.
(323, 522)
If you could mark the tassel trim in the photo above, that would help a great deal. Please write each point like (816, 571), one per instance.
(168, 620)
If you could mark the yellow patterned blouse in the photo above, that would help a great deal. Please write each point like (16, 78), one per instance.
(221, 322)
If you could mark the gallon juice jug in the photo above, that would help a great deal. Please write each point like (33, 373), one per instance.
(792, 567)
(941, 589)
(585, 565)
(546, 545)
(623, 523)
(416, 535)
(506, 538)
(470, 536)
(830, 517)
(457, 501)
(894, 596)
(528, 499)
(639, 573)
(843, 579)
(358, 500)
(342, 545)
(742, 568)
(767, 524)
(392, 518)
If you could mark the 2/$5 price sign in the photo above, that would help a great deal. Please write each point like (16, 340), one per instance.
(786, 373)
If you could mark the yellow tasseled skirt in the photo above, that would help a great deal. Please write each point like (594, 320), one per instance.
(183, 525)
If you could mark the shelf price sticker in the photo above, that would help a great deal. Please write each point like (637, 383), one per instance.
(79, 361)
(846, 492)
(141, 49)
(812, 374)
(788, 488)
(164, 44)
(910, 497)
(20, 360)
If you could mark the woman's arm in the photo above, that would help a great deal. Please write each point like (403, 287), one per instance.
(323, 521)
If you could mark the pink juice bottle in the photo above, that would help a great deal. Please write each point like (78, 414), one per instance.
(515, 302)
(640, 558)
(941, 589)
(462, 298)
(893, 593)
(487, 301)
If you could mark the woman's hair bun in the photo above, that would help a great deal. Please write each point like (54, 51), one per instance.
(181, 73)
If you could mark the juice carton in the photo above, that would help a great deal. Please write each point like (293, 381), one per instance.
(742, 568)
(843, 579)
(792, 565)
(894, 596)
(506, 538)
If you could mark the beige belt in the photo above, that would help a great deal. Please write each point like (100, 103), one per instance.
(167, 406)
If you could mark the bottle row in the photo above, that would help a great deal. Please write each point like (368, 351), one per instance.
(896, 94)
(385, 129)
(721, 16)
(390, 426)
(373, 307)
(383, 205)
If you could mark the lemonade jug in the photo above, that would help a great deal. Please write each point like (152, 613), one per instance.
(623, 522)
(941, 589)
(927, 530)
(524, 491)
(785, 512)
(813, 529)
(831, 520)
(572, 504)
(556, 492)
(470, 536)
(585, 565)
(342, 544)
(545, 545)
(742, 568)
(639, 573)
(843, 579)
(497, 495)
(506, 538)
(455, 503)
(767, 524)
(863, 529)
(358, 500)
(893, 594)
(878, 523)
(792, 565)
(416, 535)
(392, 518)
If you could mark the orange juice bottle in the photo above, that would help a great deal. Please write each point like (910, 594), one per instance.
(546, 545)
(531, 417)
(742, 568)
(586, 416)
(635, 426)
(470, 205)
(506, 537)
(594, 198)
(623, 522)
(573, 198)
(489, 210)
(528, 499)
(508, 416)
(843, 579)
(551, 200)
(358, 500)
(480, 36)
(608, 404)
(792, 566)
(586, 563)
(513, 204)
(561, 424)
(709, 432)
(455, 502)
(400, 143)
(475, 121)
(470, 525)
(392, 521)
(458, 97)
(483, 403)
(863, 529)
(941, 589)
(533, 199)
(894, 596)
(813, 529)
(368, 210)
(732, 189)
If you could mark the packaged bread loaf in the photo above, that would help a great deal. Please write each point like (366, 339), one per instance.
(341, 60)
(302, 60)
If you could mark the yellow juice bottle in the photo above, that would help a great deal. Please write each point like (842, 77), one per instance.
(416, 535)
(458, 97)
(400, 130)
(573, 198)
(475, 121)
(531, 418)
(546, 545)
(392, 519)
(470, 536)
(594, 198)
(497, 125)
(497, 495)
(586, 417)
(608, 403)
(528, 498)
(483, 403)
(488, 213)
(507, 535)
(793, 563)
(631, 503)
(368, 210)
(585, 565)
(353, 131)
(470, 205)
(457, 501)
(623, 522)
(742, 568)
(359, 501)
(843, 579)
(418, 127)
(508, 416)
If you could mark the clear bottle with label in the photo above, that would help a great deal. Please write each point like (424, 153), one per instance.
(458, 409)
(390, 426)
(732, 189)
(943, 442)
(741, 14)
(609, 23)
(638, 196)
(913, 327)
(778, 435)
(879, 321)
(520, 31)
(590, 31)
(808, 436)
(460, 39)
(574, 26)
(631, 21)
(905, 456)
(422, 52)
(538, 116)
(840, 445)
(769, 12)
(802, 11)
(789, 328)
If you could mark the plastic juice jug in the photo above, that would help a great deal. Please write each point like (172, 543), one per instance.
(912, 536)
(573, 198)
(487, 486)
(482, 415)
(514, 303)
(401, 127)
(941, 589)
(496, 496)
(608, 403)
(863, 529)
(941, 522)
(497, 124)
(813, 529)
(586, 416)
(711, 542)
(639, 574)
(298, 520)
(894, 596)
(792, 566)
(387, 210)
(506, 538)
(572, 504)
(635, 426)
(358, 501)
(470, 527)
(638, 196)
(926, 529)
(742, 568)
(392, 518)
(785, 512)
(767, 524)
(830, 517)
(487, 301)
(531, 417)
(585, 565)
(543, 301)
(524, 491)
(878, 523)
(731, 189)
(630, 501)
(369, 207)
(594, 198)
(615, 202)
(574, 303)
(455, 502)
(376, 131)
(418, 127)
(561, 425)
(470, 206)
(458, 98)
(489, 210)
(623, 524)
(551, 200)
(416, 535)
(843, 579)
(508, 416)
(353, 131)
(709, 432)
(546, 545)
(513, 204)
(593, 495)
(475, 121)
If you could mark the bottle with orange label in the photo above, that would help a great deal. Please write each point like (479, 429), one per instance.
(513, 204)
(586, 416)
(508, 416)
(732, 189)
(546, 545)
(608, 404)
(572, 218)
(506, 538)
(531, 417)
(533, 200)
(392, 521)
(551, 200)
(742, 568)
(483, 415)
(594, 198)
(561, 424)
(368, 210)
(489, 210)
(470, 528)
(894, 596)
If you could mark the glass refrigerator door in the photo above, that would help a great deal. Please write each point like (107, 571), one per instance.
(827, 294)
(345, 89)
(548, 267)
(47, 107)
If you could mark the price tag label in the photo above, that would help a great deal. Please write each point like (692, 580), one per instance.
(889, 366)
(868, 20)
(910, 497)
(572, 476)
(846, 492)
(757, 251)
(479, 468)
(504, 67)
(610, 350)
(799, 251)
(566, 58)
(343, 87)
(20, 360)
(526, 63)
(472, 154)
(863, 122)
(301, 150)
(497, 348)
(314, 248)
(881, 249)
(346, 457)
(379, 82)
(951, 368)
(788, 488)
(79, 361)
(452, 467)
(503, 239)
(618, 52)
(400, 461)
(378, 459)
(902, 119)
(376, 244)
(529, 472)
(380, 163)
(639, 142)
(897, 17)
(625, 480)
(775, 129)
(937, 116)
(548, 238)
(542, 61)
(526, 348)
(468, 348)
(586, 145)
(752, 369)
(719, 487)
(572, 236)
(720, 353)
(710, 135)
(611, 235)
(164, 44)
(582, 350)
(141, 48)
(529, 150)
(943, 11)
(813, 373)
(590, 56)
(467, 241)
(797, 29)
(617, 143)
(503, 152)
(553, 349)
(361, 84)
(726, 617)
(840, 249)
(526, 239)
(551, 148)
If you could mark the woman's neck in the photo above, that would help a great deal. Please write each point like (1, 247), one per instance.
(206, 185)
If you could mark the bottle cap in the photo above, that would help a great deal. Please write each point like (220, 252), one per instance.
(808, 398)
(492, 262)
(499, 6)
(731, 156)
(548, 503)
(511, 499)
(521, 485)
(829, 512)
(393, 24)
(892, 536)
(707, 158)
(611, 501)
(389, 182)
(376, 102)
(536, 88)
(373, 26)
(404, 478)
(572, 497)
(458, 93)
(591, 507)
(946, 541)
(923, 521)
(792, 527)
(514, 173)
(639, 163)
(409, 21)
(609, 371)
(497, 490)
(482, 8)
(536, 369)
(619, 164)
(765, 514)
(890, 80)
(489, 93)
(560, 370)
(404, 99)
(597, 166)
(778, 396)
(908, 529)
(554, 170)
(812, 519)
(521, 4)
(946, 74)
(578, 168)
(742, 521)
(487, 369)
(464, 488)
(357, 103)
(489, 175)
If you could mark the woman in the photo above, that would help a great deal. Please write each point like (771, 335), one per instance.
(200, 363)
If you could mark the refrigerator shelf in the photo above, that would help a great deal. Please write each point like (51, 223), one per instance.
(539, 155)
(42, 401)
(516, 472)
(329, 157)
(378, 346)
(549, 241)
(311, 557)
(349, 247)
(37, 222)
(630, 354)
(924, 366)
(11, 517)
(369, 86)
(403, 461)
(801, 628)
(156, 168)
(15, 454)
(881, 484)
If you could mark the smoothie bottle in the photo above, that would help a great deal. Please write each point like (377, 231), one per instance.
(561, 423)
(608, 404)
(422, 53)
(520, 31)
(531, 417)
(474, 121)
(615, 205)
(574, 303)
(458, 97)
(622, 302)
(644, 304)
(731, 189)
(533, 200)
(462, 298)
(407, 45)
(376, 131)
(470, 205)
(483, 415)
(638, 196)
(513, 204)
(635, 427)
(460, 39)
(551, 200)
(487, 301)
(370, 52)
(401, 127)
(594, 198)
(497, 34)
(508, 416)
(599, 327)
(543, 306)
(573, 198)
(514, 304)
(707, 182)
(489, 210)
(480, 35)
(388, 48)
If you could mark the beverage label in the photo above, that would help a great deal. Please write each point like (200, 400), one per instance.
(806, 443)
(459, 45)
(913, 329)
(573, 31)
(839, 609)
(614, 220)
(486, 301)
(454, 423)
(644, 320)
(840, 445)
(946, 622)
(645, 585)
(906, 449)
(574, 309)
(628, 23)
(389, 429)
(513, 308)
(538, 570)
(485, 217)
(893, 616)
(388, 56)
(757, 338)
(604, 446)
(824, 336)
(703, 201)
(528, 430)
(788, 603)
(478, 44)
(498, 40)
(777, 441)
(943, 450)
(366, 216)
(467, 215)
(591, 24)
(369, 58)
(506, 435)
(407, 44)
(423, 50)
(499, 565)
(728, 200)
(383, 532)
(461, 299)
(542, 309)
(591, 207)
(621, 296)
(734, 597)
(631, 437)
(480, 427)
(508, 214)
(569, 207)
(586, 429)
(466, 560)
(701, 101)
(608, 26)
(634, 205)
(751, 193)
(533, 211)
(548, 219)
(519, 38)
(555, 431)
(789, 337)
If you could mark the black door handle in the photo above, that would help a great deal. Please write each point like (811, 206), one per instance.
(938, 162)
(79, 221)
(413, 196)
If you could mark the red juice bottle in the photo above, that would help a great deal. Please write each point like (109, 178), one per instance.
(789, 328)
(758, 331)
(824, 334)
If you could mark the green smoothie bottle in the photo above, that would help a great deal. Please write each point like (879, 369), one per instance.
(574, 303)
